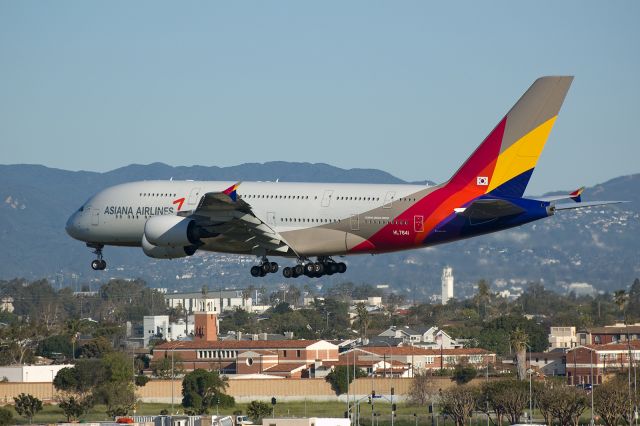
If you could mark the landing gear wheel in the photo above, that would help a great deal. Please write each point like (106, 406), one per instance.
(255, 271)
(298, 270)
(309, 269)
(103, 265)
(287, 272)
(96, 265)
(342, 268)
(266, 267)
(273, 267)
(319, 268)
(333, 268)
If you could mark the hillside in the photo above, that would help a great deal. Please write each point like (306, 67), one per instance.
(598, 246)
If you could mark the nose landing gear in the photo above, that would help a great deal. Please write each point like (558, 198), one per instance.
(98, 264)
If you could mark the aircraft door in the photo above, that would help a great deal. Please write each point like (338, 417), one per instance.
(271, 218)
(418, 223)
(326, 198)
(355, 222)
(388, 199)
(95, 217)
(194, 196)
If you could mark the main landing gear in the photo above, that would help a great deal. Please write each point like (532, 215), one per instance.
(324, 266)
(264, 268)
(98, 264)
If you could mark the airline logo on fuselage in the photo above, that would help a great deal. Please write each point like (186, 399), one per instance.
(138, 211)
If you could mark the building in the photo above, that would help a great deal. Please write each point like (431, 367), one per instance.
(447, 284)
(609, 334)
(592, 363)
(412, 359)
(31, 373)
(282, 358)
(212, 301)
(562, 338)
(425, 337)
(158, 326)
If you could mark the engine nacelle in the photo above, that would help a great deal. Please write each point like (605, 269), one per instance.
(171, 231)
(158, 252)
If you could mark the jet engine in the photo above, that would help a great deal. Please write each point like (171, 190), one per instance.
(158, 252)
(171, 231)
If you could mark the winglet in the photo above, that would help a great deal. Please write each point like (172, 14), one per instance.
(232, 191)
(577, 195)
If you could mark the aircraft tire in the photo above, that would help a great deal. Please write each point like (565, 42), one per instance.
(273, 267)
(298, 270)
(103, 264)
(287, 272)
(95, 265)
(342, 267)
(255, 271)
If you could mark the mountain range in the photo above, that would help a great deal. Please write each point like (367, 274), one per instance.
(598, 246)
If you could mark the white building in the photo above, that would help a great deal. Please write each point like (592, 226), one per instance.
(562, 338)
(31, 373)
(159, 326)
(447, 284)
(212, 301)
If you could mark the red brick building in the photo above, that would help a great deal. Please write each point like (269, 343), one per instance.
(285, 358)
(591, 363)
(616, 333)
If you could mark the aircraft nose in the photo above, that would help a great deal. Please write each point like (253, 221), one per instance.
(72, 227)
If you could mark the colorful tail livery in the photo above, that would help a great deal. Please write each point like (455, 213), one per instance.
(502, 165)
(305, 220)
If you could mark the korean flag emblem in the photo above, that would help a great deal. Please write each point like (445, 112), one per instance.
(482, 181)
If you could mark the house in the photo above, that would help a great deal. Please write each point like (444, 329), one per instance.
(591, 363)
(158, 326)
(562, 338)
(426, 337)
(212, 301)
(609, 334)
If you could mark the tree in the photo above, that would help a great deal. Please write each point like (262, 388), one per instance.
(338, 378)
(203, 389)
(518, 341)
(257, 410)
(74, 406)
(463, 374)
(611, 401)
(27, 406)
(96, 348)
(421, 388)
(620, 299)
(459, 402)
(162, 367)
(490, 400)
(119, 397)
(563, 403)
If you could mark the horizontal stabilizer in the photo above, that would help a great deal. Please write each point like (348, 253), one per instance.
(584, 205)
(485, 209)
(575, 196)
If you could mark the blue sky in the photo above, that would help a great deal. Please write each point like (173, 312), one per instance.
(406, 87)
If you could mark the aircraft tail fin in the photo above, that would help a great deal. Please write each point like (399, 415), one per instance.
(503, 163)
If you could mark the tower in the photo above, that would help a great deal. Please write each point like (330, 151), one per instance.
(447, 284)
(206, 326)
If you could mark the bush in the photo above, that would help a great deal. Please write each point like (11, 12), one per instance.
(6, 416)
(257, 410)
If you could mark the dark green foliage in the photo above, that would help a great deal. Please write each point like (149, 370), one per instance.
(203, 389)
(57, 344)
(95, 348)
(338, 378)
(119, 397)
(282, 308)
(74, 406)
(27, 405)
(257, 410)
(6, 416)
(82, 378)
(142, 380)
(463, 374)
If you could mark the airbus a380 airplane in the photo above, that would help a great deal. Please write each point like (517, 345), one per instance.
(172, 219)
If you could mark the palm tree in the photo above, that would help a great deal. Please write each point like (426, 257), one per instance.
(518, 341)
(363, 319)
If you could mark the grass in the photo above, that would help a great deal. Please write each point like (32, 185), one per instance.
(404, 415)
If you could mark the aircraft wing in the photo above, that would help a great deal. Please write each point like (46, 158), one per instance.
(225, 215)
(485, 209)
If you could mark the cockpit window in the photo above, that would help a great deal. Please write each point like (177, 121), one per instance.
(81, 209)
